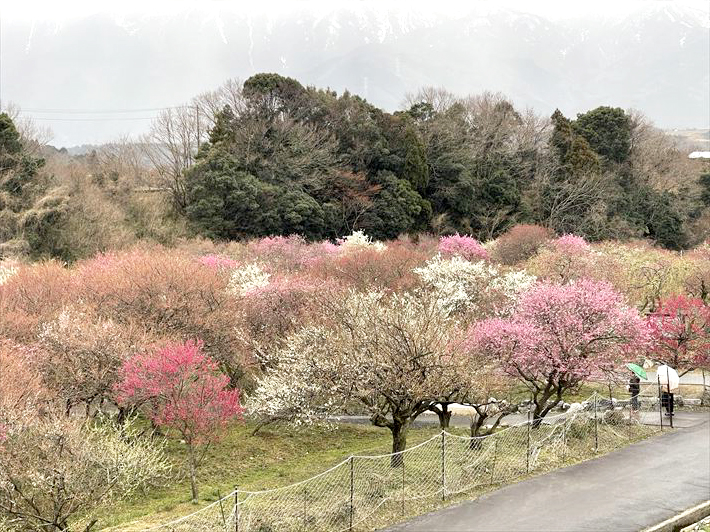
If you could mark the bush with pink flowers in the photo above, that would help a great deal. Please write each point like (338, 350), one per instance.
(462, 246)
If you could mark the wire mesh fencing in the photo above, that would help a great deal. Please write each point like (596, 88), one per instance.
(366, 492)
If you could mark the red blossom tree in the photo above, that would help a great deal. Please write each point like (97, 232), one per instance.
(681, 329)
(181, 388)
(559, 335)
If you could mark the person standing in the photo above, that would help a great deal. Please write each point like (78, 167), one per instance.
(669, 381)
(667, 401)
(634, 390)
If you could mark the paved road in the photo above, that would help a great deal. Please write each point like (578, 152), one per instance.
(627, 490)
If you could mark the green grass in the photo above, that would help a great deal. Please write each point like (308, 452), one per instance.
(276, 456)
(279, 455)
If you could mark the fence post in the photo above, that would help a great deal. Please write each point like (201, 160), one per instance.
(564, 441)
(236, 508)
(669, 401)
(402, 485)
(443, 465)
(495, 454)
(660, 402)
(352, 491)
(596, 425)
(527, 456)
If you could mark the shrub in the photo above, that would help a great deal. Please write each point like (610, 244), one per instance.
(520, 243)
(359, 241)
(247, 278)
(371, 269)
(32, 295)
(571, 244)
(56, 471)
(463, 246)
(217, 262)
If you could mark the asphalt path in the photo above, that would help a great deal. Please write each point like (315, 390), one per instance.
(627, 490)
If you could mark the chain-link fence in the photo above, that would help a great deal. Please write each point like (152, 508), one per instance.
(365, 492)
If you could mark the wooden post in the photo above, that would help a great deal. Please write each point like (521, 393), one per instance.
(236, 508)
(564, 441)
(352, 491)
(221, 509)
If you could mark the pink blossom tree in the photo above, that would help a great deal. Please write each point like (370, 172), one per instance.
(464, 246)
(181, 389)
(559, 335)
(681, 328)
(571, 244)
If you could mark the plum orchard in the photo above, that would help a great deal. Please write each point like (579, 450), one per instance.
(304, 330)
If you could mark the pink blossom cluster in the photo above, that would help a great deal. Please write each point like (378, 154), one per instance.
(181, 388)
(317, 252)
(292, 250)
(681, 328)
(563, 331)
(571, 244)
(464, 246)
(218, 262)
(287, 245)
(3, 432)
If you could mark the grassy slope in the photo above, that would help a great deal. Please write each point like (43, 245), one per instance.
(276, 456)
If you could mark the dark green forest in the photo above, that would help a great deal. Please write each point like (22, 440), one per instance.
(273, 157)
(304, 160)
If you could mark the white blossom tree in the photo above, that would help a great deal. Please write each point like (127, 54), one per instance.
(56, 472)
(474, 289)
(392, 354)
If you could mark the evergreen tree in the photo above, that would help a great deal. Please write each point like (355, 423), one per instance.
(608, 131)
(416, 169)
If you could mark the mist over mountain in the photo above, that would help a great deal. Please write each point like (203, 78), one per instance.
(655, 59)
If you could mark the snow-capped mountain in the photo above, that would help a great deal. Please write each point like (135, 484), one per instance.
(655, 57)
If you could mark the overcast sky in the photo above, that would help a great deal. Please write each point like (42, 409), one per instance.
(63, 61)
(68, 9)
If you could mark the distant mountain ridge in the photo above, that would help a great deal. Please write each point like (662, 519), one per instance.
(656, 59)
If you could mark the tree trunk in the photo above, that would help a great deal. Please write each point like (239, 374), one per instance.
(476, 424)
(444, 416)
(193, 468)
(541, 410)
(399, 430)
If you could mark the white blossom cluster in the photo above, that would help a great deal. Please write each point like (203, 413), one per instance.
(359, 240)
(292, 388)
(6, 271)
(367, 357)
(247, 278)
(511, 285)
(465, 286)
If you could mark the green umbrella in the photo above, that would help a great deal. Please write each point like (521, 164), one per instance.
(638, 370)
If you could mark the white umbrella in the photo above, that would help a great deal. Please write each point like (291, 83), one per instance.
(668, 377)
